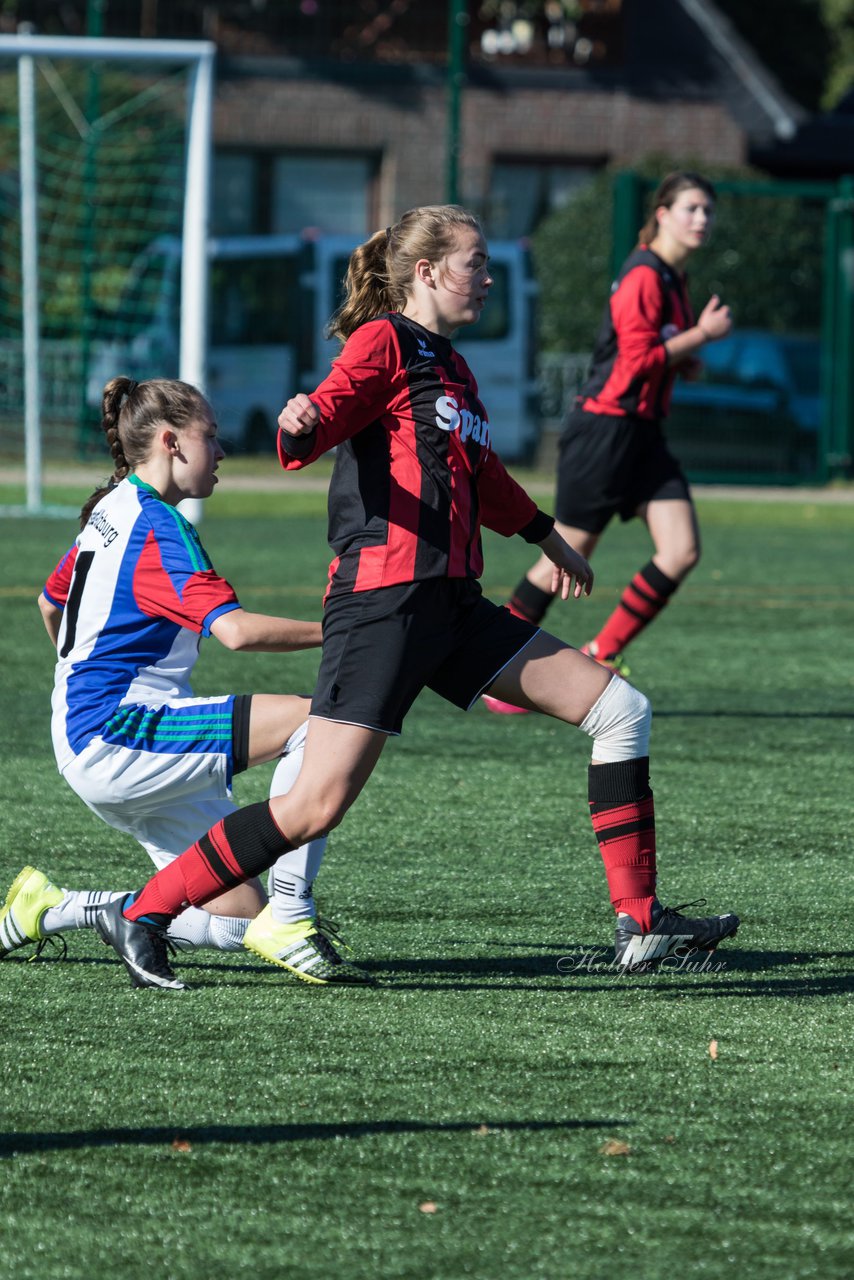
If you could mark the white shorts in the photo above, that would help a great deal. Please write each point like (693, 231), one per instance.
(165, 801)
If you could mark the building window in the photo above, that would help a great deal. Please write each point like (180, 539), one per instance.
(271, 192)
(333, 194)
(523, 192)
(234, 204)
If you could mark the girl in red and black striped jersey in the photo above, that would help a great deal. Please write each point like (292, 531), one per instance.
(614, 459)
(415, 479)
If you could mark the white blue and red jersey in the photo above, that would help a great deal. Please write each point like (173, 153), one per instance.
(137, 590)
(415, 477)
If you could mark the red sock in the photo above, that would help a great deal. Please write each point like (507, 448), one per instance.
(641, 602)
(623, 816)
(242, 845)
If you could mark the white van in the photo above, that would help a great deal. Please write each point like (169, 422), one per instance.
(253, 330)
(500, 348)
(271, 298)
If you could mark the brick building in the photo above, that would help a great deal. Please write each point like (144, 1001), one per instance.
(341, 113)
(346, 143)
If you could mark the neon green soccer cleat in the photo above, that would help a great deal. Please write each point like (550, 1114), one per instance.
(29, 897)
(306, 949)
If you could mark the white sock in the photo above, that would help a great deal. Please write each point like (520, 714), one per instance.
(197, 928)
(290, 883)
(192, 928)
(77, 910)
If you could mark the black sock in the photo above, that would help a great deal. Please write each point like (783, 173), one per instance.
(529, 601)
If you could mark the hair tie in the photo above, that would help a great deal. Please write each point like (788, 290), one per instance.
(131, 387)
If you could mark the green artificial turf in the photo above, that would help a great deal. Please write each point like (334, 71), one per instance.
(504, 1105)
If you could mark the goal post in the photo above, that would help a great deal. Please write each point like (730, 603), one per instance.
(58, 236)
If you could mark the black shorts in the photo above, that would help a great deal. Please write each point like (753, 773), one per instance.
(610, 466)
(382, 647)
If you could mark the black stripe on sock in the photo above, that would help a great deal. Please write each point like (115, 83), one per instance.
(625, 782)
(223, 873)
(641, 617)
(530, 600)
(659, 582)
(255, 840)
(619, 830)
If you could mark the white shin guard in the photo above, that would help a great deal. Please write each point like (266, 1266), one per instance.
(619, 723)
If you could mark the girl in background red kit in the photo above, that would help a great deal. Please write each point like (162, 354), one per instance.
(614, 458)
(415, 479)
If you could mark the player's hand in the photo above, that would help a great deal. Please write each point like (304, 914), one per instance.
(715, 319)
(572, 574)
(575, 581)
(300, 416)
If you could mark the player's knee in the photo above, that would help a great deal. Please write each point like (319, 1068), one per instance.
(619, 723)
(306, 818)
(691, 557)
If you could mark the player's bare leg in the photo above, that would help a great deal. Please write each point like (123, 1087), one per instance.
(675, 534)
(533, 597)
(273, 719)
(290, 932)
(673, 527)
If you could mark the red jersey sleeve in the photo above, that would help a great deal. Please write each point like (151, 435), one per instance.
(357, 391)
(505, 507)
(58, 584)
(173, 578)
(637, 312)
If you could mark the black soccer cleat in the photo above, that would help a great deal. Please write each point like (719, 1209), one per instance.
(672, 934)
(142, 948)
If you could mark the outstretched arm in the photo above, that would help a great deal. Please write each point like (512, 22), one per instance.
(51, 617)
(572, 574)
(262, 633)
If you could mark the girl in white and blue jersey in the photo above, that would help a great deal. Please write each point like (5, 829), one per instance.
(126, 607)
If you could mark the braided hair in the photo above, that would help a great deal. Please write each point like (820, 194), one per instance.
(131, 412)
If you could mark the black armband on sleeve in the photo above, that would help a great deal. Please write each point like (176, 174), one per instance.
(297, 446)
(538, 528)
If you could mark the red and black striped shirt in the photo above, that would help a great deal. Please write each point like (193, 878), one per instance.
(414, 477)
(629, 373)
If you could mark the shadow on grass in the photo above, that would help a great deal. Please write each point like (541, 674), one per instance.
(16, 1144)
(592, 969)
(574, 966)
(714, 713)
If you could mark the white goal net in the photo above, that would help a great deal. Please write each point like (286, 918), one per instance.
(104, 147)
